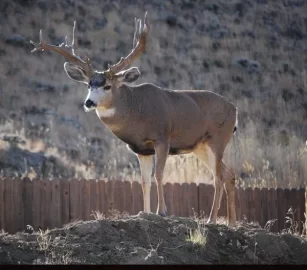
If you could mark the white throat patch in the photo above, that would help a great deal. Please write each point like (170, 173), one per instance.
(105, 112)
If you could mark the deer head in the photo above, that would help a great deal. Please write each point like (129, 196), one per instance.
(101, 84)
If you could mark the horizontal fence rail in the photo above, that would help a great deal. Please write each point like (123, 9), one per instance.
(52, 203)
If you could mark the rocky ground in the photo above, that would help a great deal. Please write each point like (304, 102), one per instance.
(151, 239)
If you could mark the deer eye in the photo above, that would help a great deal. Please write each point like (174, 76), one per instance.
(107, 87)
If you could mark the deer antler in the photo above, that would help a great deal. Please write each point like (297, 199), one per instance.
(139, 46)
(71, 57)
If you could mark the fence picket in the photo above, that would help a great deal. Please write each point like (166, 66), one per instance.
(204, 194)
(92, 184)
(248, 197)
(185, 202)
(137, 198)
(84, 199)
(56, 203)
(27, 199)
(176, 199)
(74, 200)
(127, 194)
(294, 199)
(2, 203)
(109, 197)
(242, 203)
(102, 203)
(46, 204)
(193, 195)
(118, 196)
(274, 210)
(282, 195)
(237, 202)
(270, 202)
(256, 202)
(18, 205)
(169, 198)
(264, 209)
(53, 203)
(9, 214)
(64, 196)
(182, 202)
(37, 198)
(287, 205)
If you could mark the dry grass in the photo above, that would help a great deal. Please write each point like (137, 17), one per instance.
(293, 223)
(114, 214)
(54, 253)
(269, 224)
(44, 240)
(197, 237)
(293, 226)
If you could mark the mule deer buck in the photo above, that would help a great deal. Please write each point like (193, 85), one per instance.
(157, 122)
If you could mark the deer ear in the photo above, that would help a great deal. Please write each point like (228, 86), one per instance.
(129, 75)
(76, 73)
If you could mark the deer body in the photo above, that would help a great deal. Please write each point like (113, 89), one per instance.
(157, 122)
(155, 113)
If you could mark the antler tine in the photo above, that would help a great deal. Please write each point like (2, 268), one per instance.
(139, 46)
(146, 26)
(137, 32)
(70, 57)
(38, 46)
(73, 42)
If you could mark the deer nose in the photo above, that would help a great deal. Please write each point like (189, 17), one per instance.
(89, 104)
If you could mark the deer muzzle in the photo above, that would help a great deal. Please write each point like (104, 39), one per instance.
(89, 105)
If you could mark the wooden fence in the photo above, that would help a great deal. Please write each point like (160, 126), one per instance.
(48, 204)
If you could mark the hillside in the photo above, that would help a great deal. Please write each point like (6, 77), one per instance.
(252, 52)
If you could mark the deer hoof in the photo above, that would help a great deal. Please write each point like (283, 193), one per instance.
(162, 213)
(209, 221)
(231, 224)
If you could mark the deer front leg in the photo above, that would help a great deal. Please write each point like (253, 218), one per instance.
(146, 170)
(161, 152)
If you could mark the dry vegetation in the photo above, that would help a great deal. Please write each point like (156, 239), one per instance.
(252, 52)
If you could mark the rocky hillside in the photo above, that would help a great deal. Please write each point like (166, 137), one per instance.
(252, 52)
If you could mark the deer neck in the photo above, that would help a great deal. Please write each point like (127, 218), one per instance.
(115, 113)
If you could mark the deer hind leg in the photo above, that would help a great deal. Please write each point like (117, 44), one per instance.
(161, 153)
(146, 170)
(213, 163)
(230, 188)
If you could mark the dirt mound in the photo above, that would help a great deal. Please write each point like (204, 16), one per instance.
(151, 239)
